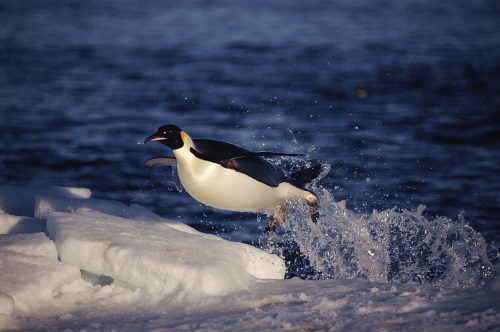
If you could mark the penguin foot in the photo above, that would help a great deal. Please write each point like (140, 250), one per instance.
(277, 219)
(272, 225)
(314, 212)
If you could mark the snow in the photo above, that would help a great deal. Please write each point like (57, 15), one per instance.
(155, 257)
(36, 244)
(11, 202)
(31, 272)
(20, 224)
(103, 265)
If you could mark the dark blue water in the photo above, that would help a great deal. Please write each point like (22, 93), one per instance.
(402, 98)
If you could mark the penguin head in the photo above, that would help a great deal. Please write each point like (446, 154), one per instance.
(169, 135)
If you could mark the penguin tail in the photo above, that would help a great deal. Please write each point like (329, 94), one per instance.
(305, 176)
(277, 219)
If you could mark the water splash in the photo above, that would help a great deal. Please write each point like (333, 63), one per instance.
(388, 246)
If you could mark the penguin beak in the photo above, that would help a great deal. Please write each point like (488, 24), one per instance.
(154, 137)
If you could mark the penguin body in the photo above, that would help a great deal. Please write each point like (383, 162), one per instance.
(228, 177)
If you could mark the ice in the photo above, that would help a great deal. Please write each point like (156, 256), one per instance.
(30, 279)
(10, 224)
(20, 201)
(17, 207)
(6, 306)
(113, 216)
(109, 266)
(30, 272)
(350, 305)
(156, 257)
(36, 244)
(47, 203)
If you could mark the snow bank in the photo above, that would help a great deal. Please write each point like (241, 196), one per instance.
(140, 231)
(30, 272)
(17, 205)
(154, 256)
(47, 203)
(10, 224)
(20, 201)
(138, 249)
(36, 244)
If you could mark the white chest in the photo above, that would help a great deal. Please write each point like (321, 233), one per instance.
(224, 188)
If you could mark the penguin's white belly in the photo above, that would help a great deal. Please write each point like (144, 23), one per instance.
(227, 189)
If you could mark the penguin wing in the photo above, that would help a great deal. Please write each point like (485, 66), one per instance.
(239, 159)
(162, 161)
(218, 151)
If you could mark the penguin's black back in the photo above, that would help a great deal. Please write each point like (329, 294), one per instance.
(239, 159)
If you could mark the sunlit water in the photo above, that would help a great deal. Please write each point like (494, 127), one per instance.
(401, 99)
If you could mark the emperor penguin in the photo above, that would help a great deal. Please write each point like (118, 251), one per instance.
(228, 177)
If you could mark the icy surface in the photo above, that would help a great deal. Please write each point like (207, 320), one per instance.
(109, 266)
(47, 203)
(36, 244)
(30, 272)
(154, 256)
(10, 224)
(20, 201)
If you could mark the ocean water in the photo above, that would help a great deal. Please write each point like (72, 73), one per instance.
(400, 99)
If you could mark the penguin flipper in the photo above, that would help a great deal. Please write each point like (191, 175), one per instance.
(161, 161)
(245, 162)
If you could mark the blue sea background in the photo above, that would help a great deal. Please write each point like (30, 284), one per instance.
(401, 98)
